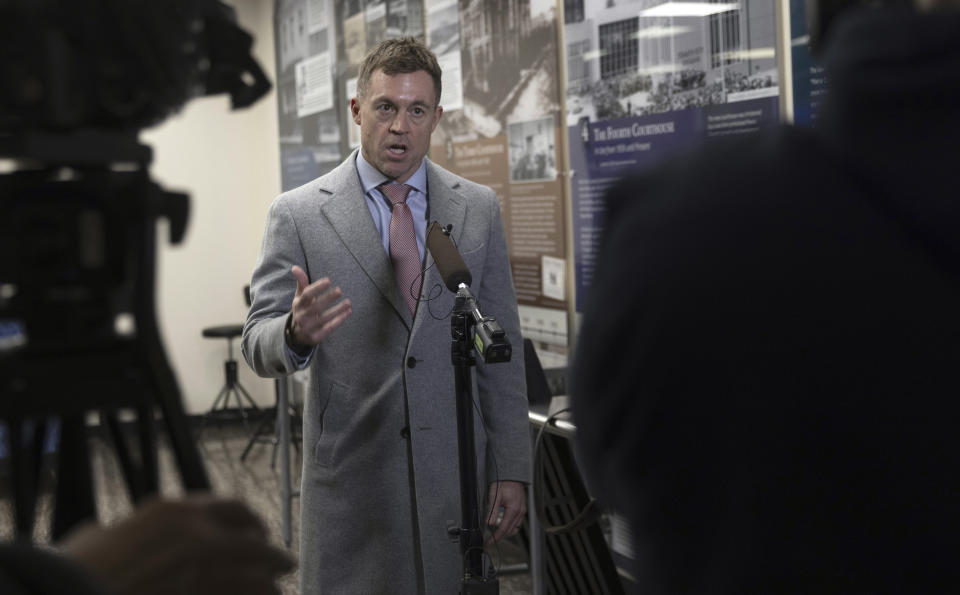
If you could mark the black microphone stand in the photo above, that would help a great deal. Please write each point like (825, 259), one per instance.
(470, 533)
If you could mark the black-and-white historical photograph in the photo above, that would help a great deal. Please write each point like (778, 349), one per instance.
(354, 38)
(509, 67)
(644, 57)
(532, 150)
(377, 20)
(443, 25)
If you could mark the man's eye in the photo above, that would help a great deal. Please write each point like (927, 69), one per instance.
(383, 107)
(418, 111)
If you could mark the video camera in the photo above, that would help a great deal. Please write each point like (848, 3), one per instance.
(78, 210)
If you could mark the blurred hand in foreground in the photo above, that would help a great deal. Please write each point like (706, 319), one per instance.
(199, 545)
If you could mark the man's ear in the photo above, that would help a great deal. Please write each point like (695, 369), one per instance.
(355, 110)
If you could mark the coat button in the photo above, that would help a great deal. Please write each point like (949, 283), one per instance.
(411, 362)
(405, 433)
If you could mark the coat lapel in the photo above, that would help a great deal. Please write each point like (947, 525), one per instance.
(348, 214)
(448, 206)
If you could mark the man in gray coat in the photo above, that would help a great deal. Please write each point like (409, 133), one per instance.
(344, 286)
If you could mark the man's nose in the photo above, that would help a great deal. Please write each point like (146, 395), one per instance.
(400, 122)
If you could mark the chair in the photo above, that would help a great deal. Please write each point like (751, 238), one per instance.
(231, 386)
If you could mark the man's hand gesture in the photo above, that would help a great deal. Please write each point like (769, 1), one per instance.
(316, 311)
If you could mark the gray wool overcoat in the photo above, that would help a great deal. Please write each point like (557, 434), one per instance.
(380, 470)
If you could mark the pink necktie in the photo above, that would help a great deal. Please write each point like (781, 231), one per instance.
(403, 244)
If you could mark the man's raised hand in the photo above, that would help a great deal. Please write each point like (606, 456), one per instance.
(317, 310)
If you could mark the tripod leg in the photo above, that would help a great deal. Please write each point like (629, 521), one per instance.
(243, 412)
(213, 408)
(131, 472)
(141, 474)
(148, 448)
(221, 400)
(254, 438)
(192, 472)
(74, 492)
(167, 398)
(23, 450)
(250, 400)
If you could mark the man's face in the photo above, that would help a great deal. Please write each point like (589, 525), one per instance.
(396, 118)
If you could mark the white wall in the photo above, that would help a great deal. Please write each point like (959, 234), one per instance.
(228, 161)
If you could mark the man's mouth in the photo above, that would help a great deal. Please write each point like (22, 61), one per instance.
(397, 149)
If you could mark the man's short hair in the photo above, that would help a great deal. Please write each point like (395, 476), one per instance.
(403, 55)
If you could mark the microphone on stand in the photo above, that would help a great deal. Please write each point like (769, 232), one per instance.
(449, 262)
(490, 339)
(471, 331)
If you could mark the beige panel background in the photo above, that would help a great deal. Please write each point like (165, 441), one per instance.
(229, 163)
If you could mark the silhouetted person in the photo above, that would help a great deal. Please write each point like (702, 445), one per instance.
(766, 377)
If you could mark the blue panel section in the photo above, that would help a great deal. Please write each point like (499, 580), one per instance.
(297, 166)
(602, 152)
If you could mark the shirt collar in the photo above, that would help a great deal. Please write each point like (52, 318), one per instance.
(371, 177)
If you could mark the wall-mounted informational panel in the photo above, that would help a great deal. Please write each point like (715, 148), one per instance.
(809, 78)
(649, 78)
(501, 127)
(307, 101)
